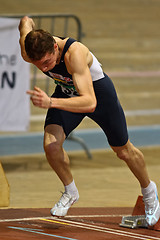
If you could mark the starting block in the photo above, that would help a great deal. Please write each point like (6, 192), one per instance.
(137, 219)
(134, 221)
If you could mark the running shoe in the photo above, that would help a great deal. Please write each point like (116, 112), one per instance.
(152, 207)
(61, 208)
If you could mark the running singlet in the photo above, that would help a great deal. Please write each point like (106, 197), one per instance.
(61, 76)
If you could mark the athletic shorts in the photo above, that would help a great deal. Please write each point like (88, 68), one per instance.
(108, 114)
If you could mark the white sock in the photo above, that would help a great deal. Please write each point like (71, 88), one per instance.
(149, 190)
(72, 189)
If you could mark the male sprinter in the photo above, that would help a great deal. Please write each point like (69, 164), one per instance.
(83, 89)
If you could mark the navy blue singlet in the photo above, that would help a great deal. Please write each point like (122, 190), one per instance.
(60, 74)
(108, 114)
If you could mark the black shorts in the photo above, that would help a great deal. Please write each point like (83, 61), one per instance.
(108, 114)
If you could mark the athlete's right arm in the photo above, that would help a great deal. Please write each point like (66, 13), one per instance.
(25, 26)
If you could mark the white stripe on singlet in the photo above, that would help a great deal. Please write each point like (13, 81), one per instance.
(96, 69)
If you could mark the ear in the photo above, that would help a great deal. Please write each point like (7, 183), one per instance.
(55, 46)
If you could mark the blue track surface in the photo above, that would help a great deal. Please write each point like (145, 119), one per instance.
(32, 143)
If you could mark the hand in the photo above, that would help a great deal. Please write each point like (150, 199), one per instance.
(26, 21)
(39, 98)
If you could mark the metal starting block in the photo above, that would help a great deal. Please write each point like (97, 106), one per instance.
(134, 222)
(137, 220)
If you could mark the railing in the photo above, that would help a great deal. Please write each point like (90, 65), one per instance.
(53, 17)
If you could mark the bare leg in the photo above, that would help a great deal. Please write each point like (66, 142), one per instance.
(135, 161)
(53, 139)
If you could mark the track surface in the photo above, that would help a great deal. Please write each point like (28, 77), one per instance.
(80, 224)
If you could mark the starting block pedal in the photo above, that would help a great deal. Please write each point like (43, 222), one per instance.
(137, 219)
(134, 221)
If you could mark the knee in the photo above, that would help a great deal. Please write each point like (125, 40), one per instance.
(130, 153)
(123, 154)
(52, 149)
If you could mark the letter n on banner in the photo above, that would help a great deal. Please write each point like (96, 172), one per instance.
(14, 79)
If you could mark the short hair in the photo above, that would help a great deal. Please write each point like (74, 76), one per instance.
(38, 43)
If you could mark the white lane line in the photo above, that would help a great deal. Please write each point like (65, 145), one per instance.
(87, 226)
(69, 216)
(94, 216)
(94, 227)
(21, 219)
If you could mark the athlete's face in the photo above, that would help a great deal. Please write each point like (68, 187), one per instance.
(49, 61)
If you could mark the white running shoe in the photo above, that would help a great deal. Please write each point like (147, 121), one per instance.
(152, 207)
(61, 208)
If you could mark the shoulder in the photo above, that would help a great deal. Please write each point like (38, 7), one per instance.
(78, 54)
(75, 58)
(77, 47)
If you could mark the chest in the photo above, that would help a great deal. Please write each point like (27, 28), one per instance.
(61, 77)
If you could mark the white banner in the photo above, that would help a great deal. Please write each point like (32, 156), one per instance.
(14, 79)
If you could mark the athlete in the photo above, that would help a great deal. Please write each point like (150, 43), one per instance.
(83, 89)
